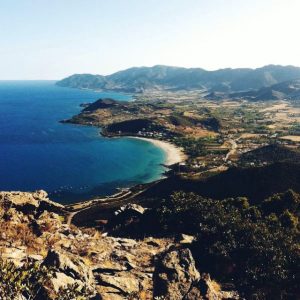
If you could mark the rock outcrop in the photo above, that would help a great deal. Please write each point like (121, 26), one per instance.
(175, 274)
(29, 202)
(176, 278)
(69, 269)
(85, 262)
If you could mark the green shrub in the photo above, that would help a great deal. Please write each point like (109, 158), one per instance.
(26, 281)
(29, 281)
(258, 252)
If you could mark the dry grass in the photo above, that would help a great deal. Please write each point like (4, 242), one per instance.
(250, 136)
(20, 235)
(195, 132)
(293, 138)
(275, 107)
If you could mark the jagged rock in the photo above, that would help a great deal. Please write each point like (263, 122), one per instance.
(125, 258)
(71, 265)
(125, 243)
(61, 280)
(208, 289)
(118, 268)
(194, 294)
(174, 275)
(125, 284)
(29, 202)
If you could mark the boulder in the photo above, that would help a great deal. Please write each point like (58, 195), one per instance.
(131, 207)
(175, 273)
(61, 280)
(71, 265)
(126, 220)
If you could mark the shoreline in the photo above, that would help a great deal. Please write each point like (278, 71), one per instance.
(173, 153)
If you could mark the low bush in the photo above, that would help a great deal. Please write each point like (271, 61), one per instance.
(254, 247)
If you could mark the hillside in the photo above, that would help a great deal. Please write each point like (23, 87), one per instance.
(270, 154)
(254, 183)
(174, 78)
(45, 258)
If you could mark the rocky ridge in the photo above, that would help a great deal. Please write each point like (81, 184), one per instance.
(86, 263)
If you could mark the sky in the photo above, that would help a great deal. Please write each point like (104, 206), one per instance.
(51, 39)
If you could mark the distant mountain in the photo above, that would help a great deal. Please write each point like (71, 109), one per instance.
(175, 78)
(285, 90)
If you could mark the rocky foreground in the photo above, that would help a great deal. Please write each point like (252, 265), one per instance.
(42, 257)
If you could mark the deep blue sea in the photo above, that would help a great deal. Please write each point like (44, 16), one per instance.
(70, 162)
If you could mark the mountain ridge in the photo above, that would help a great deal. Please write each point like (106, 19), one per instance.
(160, 77)
(283, 90)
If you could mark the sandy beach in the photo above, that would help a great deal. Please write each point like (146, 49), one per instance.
(174, 154)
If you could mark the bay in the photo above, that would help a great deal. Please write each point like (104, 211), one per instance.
(70, 162)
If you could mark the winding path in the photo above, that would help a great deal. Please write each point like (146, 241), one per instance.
(117, 199)
(232, 151)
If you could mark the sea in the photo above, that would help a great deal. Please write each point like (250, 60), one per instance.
(71, 162)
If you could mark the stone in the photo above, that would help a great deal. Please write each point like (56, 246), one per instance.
(131, 207)
(186, 239)
(72, 265)
(125, 284)
(174, 275)
(61, 280)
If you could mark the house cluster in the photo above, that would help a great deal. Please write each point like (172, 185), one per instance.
(151, 134)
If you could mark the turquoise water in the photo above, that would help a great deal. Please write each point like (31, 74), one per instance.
(71, 162)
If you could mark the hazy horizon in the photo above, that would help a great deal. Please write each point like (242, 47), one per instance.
(49, 41)
(57, 79)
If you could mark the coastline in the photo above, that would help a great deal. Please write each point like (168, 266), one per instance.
(173, 153)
